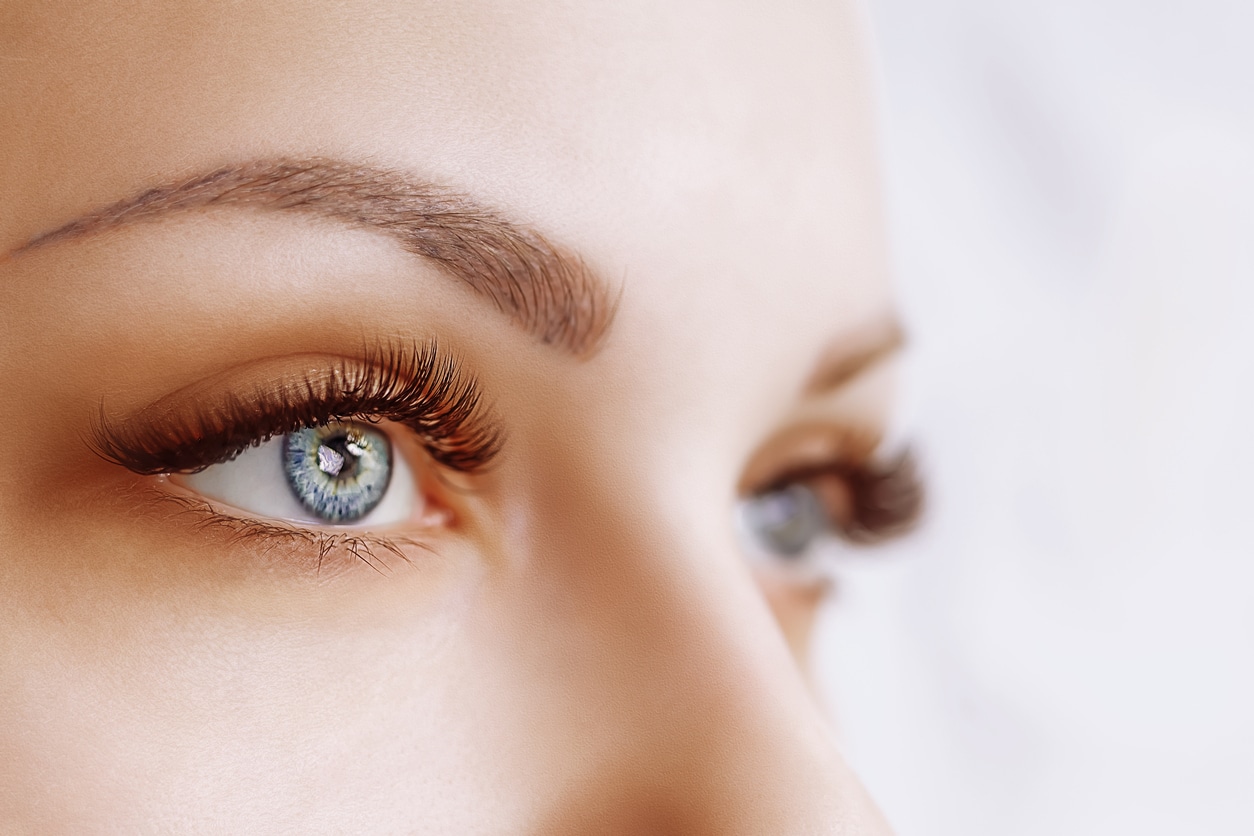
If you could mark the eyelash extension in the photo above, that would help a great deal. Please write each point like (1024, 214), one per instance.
(413, 385)
(886, 497)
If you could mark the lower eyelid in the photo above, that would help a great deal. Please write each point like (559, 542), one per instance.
(280, 545)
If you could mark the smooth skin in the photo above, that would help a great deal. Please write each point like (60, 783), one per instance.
(583, 648)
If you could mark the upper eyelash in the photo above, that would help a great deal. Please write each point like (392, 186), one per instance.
(887, 495)
(414, 385)
(888, 498)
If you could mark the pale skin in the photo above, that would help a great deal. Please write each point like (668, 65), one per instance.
(580, 645)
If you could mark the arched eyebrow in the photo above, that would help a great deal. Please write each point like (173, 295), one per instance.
(541, 286)
(855, 353)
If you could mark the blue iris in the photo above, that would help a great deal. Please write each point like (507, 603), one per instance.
(786, 521)
(339, 471)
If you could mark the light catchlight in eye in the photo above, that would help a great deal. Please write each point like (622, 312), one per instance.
(342, 474)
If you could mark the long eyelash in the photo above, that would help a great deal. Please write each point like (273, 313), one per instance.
(886, 496)
(888, 499)
(416, 386)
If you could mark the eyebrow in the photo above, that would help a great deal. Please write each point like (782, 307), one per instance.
(857, 353)
(540, 286)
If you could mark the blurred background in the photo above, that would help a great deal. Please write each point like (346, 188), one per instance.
(1066, 648)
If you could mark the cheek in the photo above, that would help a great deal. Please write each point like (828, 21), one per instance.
(169, 710)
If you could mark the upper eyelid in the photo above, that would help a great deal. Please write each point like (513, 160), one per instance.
(417, 385)
(808, 447)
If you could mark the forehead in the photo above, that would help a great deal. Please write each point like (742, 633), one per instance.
(715, 158)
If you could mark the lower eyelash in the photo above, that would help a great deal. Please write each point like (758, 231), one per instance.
(327, 548)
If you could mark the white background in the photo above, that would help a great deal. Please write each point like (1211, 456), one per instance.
(1067, 647)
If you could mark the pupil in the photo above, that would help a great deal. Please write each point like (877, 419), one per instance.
(338, 456)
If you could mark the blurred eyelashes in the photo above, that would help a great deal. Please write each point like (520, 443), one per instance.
(860, 503)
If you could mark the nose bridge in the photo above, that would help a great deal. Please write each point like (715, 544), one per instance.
(721, 734)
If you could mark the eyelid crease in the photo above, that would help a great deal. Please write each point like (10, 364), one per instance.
(415, 385)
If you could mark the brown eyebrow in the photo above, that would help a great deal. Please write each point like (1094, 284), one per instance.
(856, 353)
(539, 285)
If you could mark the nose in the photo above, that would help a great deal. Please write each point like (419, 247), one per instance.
(697, 719)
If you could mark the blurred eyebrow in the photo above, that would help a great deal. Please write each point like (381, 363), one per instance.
(542, 287)
(856, 353)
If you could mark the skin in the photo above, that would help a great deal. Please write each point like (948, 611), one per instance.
(582, 647)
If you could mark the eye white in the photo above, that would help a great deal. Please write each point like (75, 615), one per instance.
(255, 482)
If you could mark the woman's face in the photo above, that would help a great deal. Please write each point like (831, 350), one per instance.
(645, 236)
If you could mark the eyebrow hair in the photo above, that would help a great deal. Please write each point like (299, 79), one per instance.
(858, 352)
(541, 286)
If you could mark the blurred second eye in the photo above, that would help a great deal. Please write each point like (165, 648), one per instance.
(796, 529)
(342, 473)
(783, 531)
(785, 521)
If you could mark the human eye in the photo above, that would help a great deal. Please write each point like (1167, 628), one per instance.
(795, 524)
(341, 473)
(338, 454)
